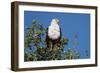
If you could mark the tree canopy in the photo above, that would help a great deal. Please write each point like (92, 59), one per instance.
(35, 48)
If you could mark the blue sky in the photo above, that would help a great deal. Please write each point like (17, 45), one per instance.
(72, 24)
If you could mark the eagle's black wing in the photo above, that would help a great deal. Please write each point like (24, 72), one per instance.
(60, 33)
(48, 40)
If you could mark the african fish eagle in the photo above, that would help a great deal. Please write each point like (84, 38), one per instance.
(53, 33)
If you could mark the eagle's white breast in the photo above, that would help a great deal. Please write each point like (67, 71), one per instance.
(54, 31)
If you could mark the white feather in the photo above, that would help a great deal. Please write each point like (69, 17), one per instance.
(54, 30)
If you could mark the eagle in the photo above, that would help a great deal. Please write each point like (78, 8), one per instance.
(54, 34)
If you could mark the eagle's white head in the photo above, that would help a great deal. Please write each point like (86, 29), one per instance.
(55, 22)
(54, 29)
